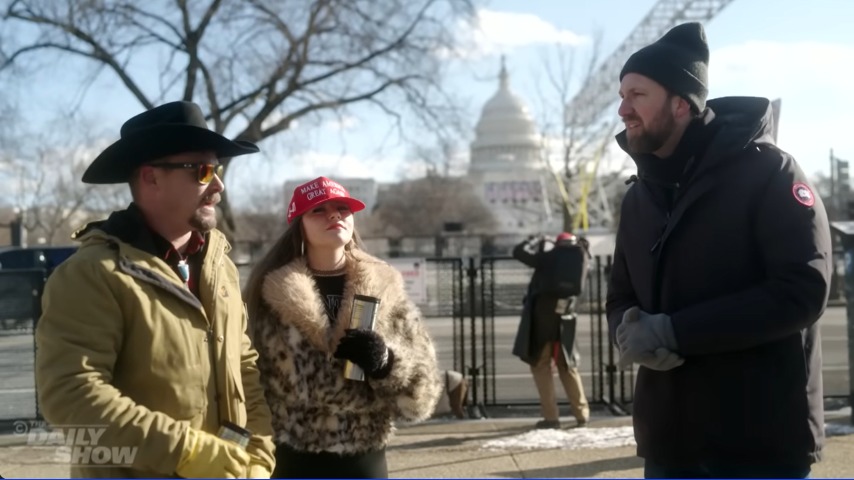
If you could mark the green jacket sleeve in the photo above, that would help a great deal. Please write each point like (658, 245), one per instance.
(259, 419)
(78, 338)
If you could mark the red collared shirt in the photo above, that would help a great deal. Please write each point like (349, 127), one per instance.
(190, 270)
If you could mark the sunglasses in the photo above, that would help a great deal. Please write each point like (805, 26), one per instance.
(204, 171)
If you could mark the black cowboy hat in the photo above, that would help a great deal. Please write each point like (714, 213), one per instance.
(172, 128)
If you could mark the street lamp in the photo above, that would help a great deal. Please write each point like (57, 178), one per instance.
(846, 232)
(17, 231)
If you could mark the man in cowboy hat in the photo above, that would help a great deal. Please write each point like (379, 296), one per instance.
(142, 337)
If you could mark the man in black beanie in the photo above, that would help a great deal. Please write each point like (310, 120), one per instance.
(721, 271)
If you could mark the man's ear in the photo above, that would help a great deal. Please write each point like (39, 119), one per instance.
(147, 176)
(146, 179)
(681, 108)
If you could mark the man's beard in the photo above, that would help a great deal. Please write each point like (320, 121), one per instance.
(203, 223)
(654, 135)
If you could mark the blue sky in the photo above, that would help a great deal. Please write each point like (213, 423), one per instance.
(801, 52)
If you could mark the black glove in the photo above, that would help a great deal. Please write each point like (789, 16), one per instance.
(366, 349)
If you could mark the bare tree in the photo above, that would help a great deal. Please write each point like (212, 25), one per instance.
(572, 152)
(424, 206)
(256, 65)
(8, 118)
(261, 219)
(42, 175)
(439, 160)
(824, 188)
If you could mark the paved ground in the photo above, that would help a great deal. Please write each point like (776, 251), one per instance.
(513, 382)
(455, 449)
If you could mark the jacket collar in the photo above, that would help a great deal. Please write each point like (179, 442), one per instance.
(129, 227)
(145, 265)
(291, 293)
(726, 128)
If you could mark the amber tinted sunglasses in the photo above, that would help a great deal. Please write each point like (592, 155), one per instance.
(204, 171)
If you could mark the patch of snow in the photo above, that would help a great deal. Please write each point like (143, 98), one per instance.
(838, 429)
(576, 438)
(583, 438)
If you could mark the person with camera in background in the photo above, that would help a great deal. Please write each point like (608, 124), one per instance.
(546, 331)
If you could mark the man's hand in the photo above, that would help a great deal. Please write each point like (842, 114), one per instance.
(662, 360)
(648, 340)
(257, 469)
(208, 456)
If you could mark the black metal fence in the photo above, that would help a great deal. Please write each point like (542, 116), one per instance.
(472, 309)
(611, 386)
(486, 315)
(20, 308)
(484, 324)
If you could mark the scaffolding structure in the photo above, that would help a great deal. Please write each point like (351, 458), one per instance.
(592, 108)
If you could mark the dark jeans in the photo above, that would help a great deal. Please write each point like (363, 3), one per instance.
(291, 463)
(718, 470)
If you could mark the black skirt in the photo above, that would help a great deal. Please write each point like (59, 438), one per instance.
(291, 463)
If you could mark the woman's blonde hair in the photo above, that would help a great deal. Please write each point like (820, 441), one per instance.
(286, 249)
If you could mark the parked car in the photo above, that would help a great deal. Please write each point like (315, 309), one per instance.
(19, 291)
(48, 258)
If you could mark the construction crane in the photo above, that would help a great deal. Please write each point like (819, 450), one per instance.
(598, 94)
(592, 107)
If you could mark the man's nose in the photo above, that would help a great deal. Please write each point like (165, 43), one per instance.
(624, 109)
(216, 185)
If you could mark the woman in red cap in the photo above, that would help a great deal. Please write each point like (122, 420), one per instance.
(300, 300)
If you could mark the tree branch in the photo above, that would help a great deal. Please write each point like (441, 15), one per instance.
(98, 52)
(127, 11)
(210, 89)
(285, 122)
(191, 44)
(192, 38)
(396, 43)
(280, 24)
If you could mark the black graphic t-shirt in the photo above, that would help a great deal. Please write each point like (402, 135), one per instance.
(332, 292)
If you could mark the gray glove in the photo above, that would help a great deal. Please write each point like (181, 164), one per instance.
(640, 335)
(662, 360)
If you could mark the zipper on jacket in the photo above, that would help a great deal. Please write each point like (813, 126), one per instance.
(661, 235)
(212, 352)
(212, 335)
(656, 251)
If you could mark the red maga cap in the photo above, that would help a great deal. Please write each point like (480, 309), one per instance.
(320, 190)
(564, 236)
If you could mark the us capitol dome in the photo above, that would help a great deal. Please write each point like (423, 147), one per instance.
(506, 165)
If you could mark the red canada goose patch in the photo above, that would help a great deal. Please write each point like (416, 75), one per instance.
(803, 194)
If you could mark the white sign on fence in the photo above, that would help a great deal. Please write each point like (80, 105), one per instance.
(414, 272)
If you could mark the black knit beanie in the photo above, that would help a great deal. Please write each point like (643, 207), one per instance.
(679, 61)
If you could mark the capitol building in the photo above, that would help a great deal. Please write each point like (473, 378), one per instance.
(506, 169)
(506, 165)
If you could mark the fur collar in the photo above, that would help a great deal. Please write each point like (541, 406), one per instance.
(293, 296)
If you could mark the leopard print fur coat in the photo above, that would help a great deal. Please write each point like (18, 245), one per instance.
(314, 408)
